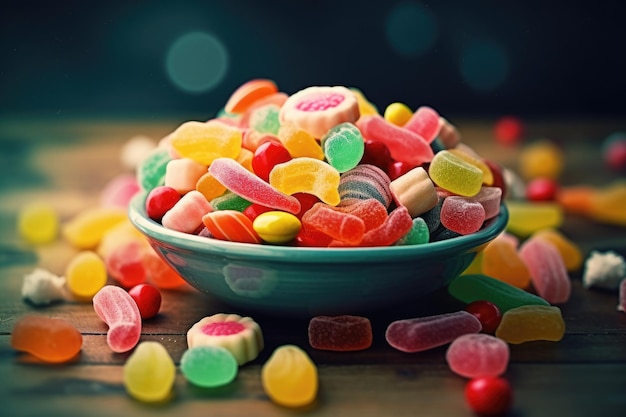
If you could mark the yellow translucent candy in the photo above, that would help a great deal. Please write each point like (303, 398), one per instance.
(526, 218)
(149, 373)
(86, 274)
(86, 229)
(531, 322)
(205, 142)
(398, 113)
(454, 174)
(289, 377)
(38, 223)
(299, 143)
(502, 261)
(277, 226)
(307, 175)
(608, 204)
(210, 187)
(477, 162)
(366, 107)
(541, 159)
(570, 252)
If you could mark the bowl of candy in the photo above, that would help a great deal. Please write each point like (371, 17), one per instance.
(316, 204)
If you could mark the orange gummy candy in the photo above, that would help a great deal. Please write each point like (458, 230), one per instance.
(49, 339)
(249, 92)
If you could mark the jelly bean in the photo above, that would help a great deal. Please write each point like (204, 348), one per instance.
(472, 158)
(340, 333)
(525, 218)
(343, 146)
(614, 151)
(415, 191)
(454, 174)
(395, 227)
(240, 335)
(425, 122)
(119, 311)
(86, 274)
(502, 261)
(371, 211)
(508, 130)
(364, 182)
(205, 142)
(448, 134)
(276, 99)
(250, 187)
(419, 233)
(277, 226)
(148, 299)
(576, 199)
(462, 215)
(266, 156)
(547, 270)
(404, 145)
(42, 287)
(317, 109)
(570, 253)
(38, 223)
(487, 313)
(248, 93)
(160, 273)
(230, 225)
(489, 396)
(377, 154)
(186, 215)
(366, 107)
(48, 339)
(149, 373)
(490, 198)
(531, 322)
(209, 366)
(86, 229)
(151, 170)
(125, 264)
(230, 201)
(299, 142)
(423, 333)
(182, 174)
(397, 113)
(468, 288)
(307, 175)
(342, 226)
(541, 159)
(289, 377)
(607, 204)
(160, 200)
(476, 355)
(265, 119)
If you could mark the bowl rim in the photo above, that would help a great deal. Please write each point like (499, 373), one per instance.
(250, 251)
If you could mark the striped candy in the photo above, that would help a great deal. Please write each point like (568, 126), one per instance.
(230, 225)
(364, 182)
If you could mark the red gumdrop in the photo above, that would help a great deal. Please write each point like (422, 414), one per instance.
(396, 169)
(160, 200)
(542, 189)
(487, 313)
(376, 153)
(498, 176)
(148, 299)
(266, 156)
(508, 130)
(489, 395)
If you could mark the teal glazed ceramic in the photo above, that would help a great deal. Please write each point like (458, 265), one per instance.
(306, 281)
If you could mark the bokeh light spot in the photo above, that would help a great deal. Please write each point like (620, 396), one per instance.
(484, 65)
(197, 62)
(411, 29)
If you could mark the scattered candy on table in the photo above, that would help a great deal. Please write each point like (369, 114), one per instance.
(149, 372)
(49, 339)
(120, 312)
(489, 395)
(476, 355)
(340, 333)
(209, 366)
(42, 287)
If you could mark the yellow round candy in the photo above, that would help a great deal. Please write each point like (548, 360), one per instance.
(541, 159)
(276, 226)
(398, 113)
(38, 223)
(86, 274)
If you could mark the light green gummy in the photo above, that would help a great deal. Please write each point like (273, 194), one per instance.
(151, 171)
(343, 146)
(475, 287)
(230, 201)
(209, 366)
(265, 119)
(418, 234)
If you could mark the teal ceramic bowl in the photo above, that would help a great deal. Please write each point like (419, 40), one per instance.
(307, 281)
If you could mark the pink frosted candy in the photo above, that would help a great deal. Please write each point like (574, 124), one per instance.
(250, 187)
(120, 312)
(186, 215)
(371, 211)
(462, 215)
(547, 270)
(183, 174)
(344, 227)
(403, 144)
(476, 355)
(490, 198)
(119, 191)
(425, 122)
(397, 224)
(423, 333)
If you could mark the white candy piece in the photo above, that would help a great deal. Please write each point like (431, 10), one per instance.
(604, 270)
(42, 287)
(134, 151)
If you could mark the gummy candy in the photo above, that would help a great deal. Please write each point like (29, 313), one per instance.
(425, 122)
(415, 191)
(343, 146)
(205, 142)
(475, 355)
(525, 218)
(119, 191)
(148, 300)
(209, 366)
(85, 230)
(209, 187)
(469, 156)
(419, 233)
(570, 252)
(248, 93)
(277, 99)
(448, 134)
(377, 154)
(38, 223)
(307, 175)
(607, 204)
(186, 215)
(119, 311)
(397, 113)
(230, 225)
(530, 323)
(264, 119)
(541, 189)
(541, 159)
(149, 373)
(151, 170)
(502, 261)
(490, 198)
(371, 211)
(299, 142)
(182, 174)
(396, 226)
(364, 182)
(547, 270)
(462, 215)
(276, 226)
(338, 225)
(508, 130)
(289, 377)
(85, 274)
(230, 201)
(124, 263)
(340, 333)
(454, 174)
(49, 339)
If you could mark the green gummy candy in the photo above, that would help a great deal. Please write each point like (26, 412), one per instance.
(209, 366)
(151, 171)
(469, 288)
(265, 119)
(343, 146)
(418, 234)
(230, 201)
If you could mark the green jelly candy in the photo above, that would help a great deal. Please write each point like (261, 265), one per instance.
(475, 287)
(265, 119)
(151, 171)
(209, 366)
(418, 234)
(343, 146)
(230, 201)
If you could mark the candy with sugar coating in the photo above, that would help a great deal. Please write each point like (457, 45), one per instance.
(454, 174)
(205, 142)
(86, 229)
(547, 270)
(343, 146)
(363, 182)
(249, 93)
(476, 355)
(342, 226)
(209, 366)
(340, 333)
(462, 215)
(120, 312)
(307, 175)
(151, 170)
(501, 260)
(425, 122)
(531, 322)
(570, 252)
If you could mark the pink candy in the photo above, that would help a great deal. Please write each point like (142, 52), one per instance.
(425, 122)
(547, 270)
(462, 215)
(476, 355)
(186, 215)
(120, 312)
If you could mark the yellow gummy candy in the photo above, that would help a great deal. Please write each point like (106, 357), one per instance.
(307, 175)
(205, 142)
(119, 235)
(525, 218)
(289, 377)
(38, 223)
(454, 174)
(477, 162)
(541, 159)
(149, 373)
(570, 252)
(86, 274)
(531, 322)
(299, 143)
(86, 229)
(398, 113)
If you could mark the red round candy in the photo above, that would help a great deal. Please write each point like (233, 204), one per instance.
(489, 395)
(148, 299)
(376, 153)
(160, 200)
(266, 156)
(508, 130)
(615, 155)
(487, 313)
(541, 189)
(254, 210)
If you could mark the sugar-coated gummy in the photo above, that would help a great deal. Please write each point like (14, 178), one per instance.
(366, 181)
(149, 373)
(547, 270)
(307, 175)
(340, 333)
(209, 366)
(454, 174)
(119, 311)
(151, 170)
(49, 339)
(343, 146)
(476, 355)
(530, 323)
(206, 141)
(570, 252)
(501, 260)
(425, 122)
(289, 377)
(527, 217)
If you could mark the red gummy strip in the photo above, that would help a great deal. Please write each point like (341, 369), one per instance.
(320, 102)
(223, 328)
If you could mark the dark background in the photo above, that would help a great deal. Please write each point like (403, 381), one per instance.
(464, 58)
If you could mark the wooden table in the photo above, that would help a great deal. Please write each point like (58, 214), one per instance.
(68, 162)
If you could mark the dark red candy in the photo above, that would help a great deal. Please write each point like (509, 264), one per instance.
(160, 200)
(508, 130)
(306, 202)
(148, 299)
(266, 156)
(396, 169)
(312, 238)
(340, 333)
(489, 395)
(376, 153)
(487, 313)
